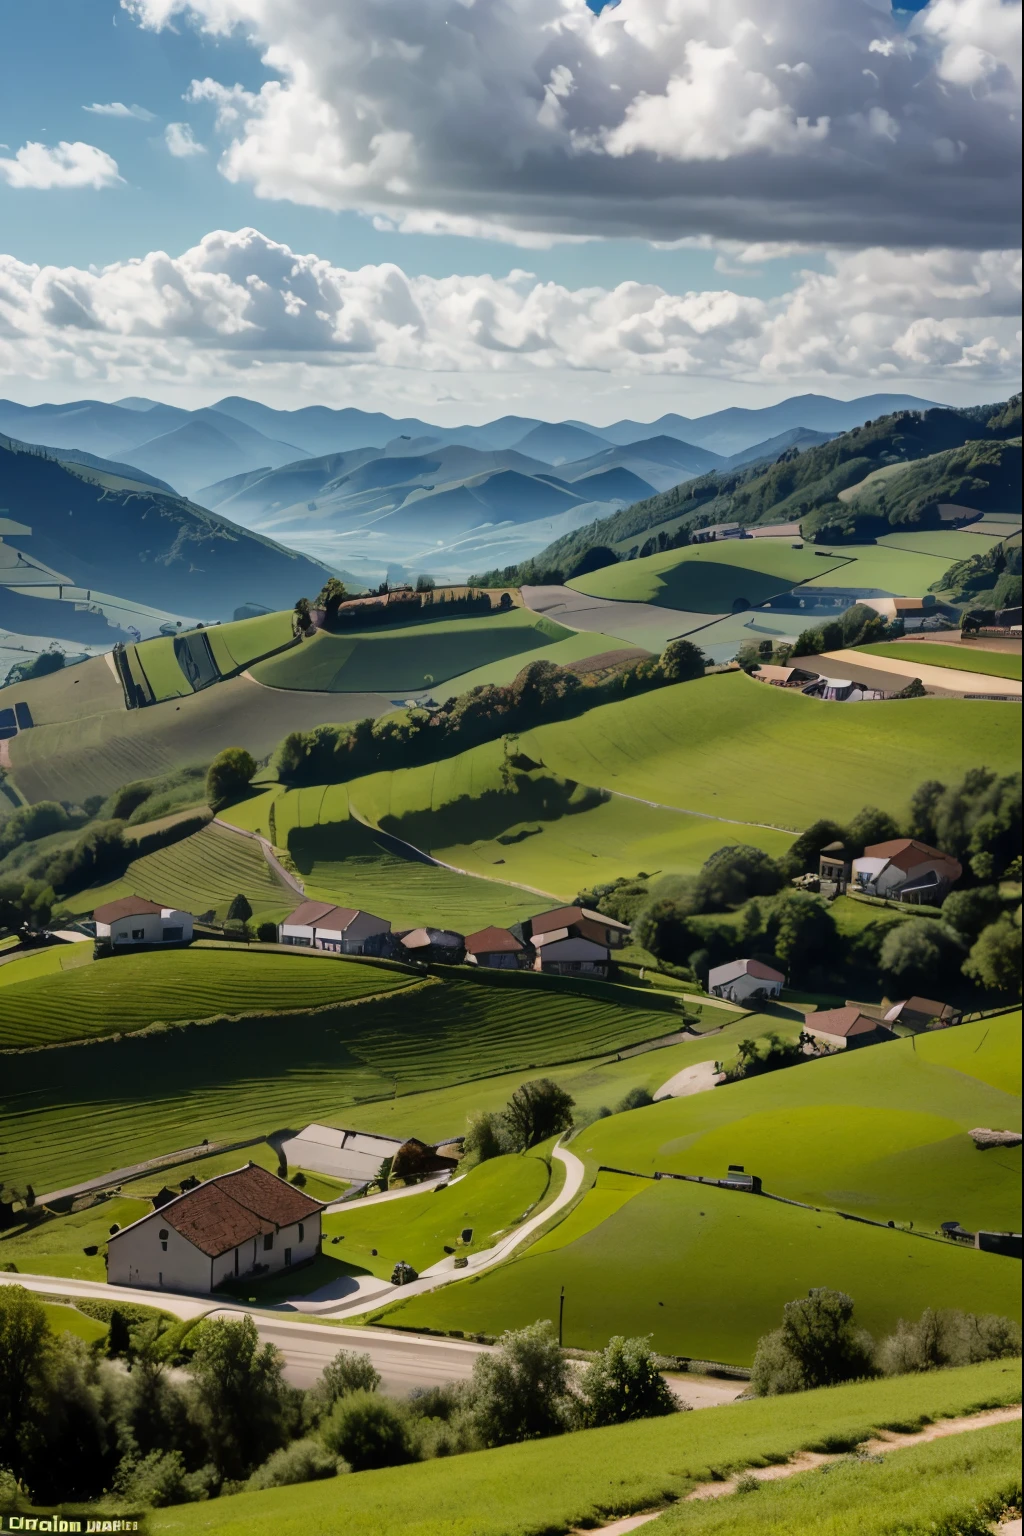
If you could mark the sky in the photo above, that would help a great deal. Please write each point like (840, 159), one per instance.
(461, 208)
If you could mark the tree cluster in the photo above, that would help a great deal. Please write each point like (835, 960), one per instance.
(536, 1111)
(857, 626)
(111, 1421)
(820, 1345)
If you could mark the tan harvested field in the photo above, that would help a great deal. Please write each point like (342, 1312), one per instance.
(95, 751)
(899, 672)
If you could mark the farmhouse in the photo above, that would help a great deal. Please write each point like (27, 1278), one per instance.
(844, 1029)
(352, 1155)
(134, 921)
(742, 980)
(904, 869)
(341, 930)
(924, 1013)
(718, 531)
(440, 945)
(833, 870)
(569, 952)
(244, 1223)
(593, 925)
(494, 947)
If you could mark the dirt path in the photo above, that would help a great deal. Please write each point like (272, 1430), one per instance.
(696, 1079)
(268, 853)
(806, 1461)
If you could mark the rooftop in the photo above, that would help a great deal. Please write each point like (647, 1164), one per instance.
(492, 941)
(736, 968)
(232, 1208)
(128, 906)
(844, 1022)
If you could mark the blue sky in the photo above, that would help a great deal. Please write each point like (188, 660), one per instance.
(845, 197)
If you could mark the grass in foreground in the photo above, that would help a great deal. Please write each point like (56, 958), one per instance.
(963, 658)
(55, 1245)
(556, 1485)
(959, 1485)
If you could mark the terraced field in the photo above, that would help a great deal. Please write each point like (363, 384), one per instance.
(160, 665)
(81, 1110)
(130, 992)
(408, 657)
(206, 871)
(728, 746)
(711, 578)
(961, 657)
(236, 645)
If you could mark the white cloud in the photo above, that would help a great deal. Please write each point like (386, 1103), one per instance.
(239, 302)
(65, 165)
(181, 142)
(118, 109)
(768, 120)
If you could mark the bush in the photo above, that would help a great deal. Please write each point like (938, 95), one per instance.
(368, 1431)
(304, 1461)
(995, 960)
(348, 1372)
(948, 1338)
(817, 1346)
(161, 1478)
(636, 1098)
(623, 1383)
(487, 1136)
(267, 933)
(535, 1111)
(520, 1389)
(968, 912)
(229, 775)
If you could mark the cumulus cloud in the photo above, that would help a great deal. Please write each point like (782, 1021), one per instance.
(65, 165)
(818, 121)
(239, 301)
(118, 109)
(181, 141)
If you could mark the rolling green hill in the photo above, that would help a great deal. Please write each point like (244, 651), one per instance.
(711, 578)
(963, 658)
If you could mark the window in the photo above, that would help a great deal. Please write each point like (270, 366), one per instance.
(138, 933)
(163, 1238)
(268, 1242)
(173, 935)
(287, 1256)
(302, 1231)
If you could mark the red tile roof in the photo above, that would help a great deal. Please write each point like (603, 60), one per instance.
(234, 1207)
(844, 1021)
(906, 853)
(492, 941)
(128, 906)
(321, 914)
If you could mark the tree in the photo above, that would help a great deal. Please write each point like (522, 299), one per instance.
(25, 1350)
(229, 775)
(817, 1346)
(919, 952)
(593, 559)
(922, 810)
(681, 661)
(239, 910)
(303, 619)
(732, 875)
(332, 595)
(969, 911)
(663, 929)
(240, 1394)
(348, 1372)
(487, 1136)
(869, 826)
(623, 1383)
(537, 1110)
(520, 1389)
(369, 1431)
(995, 958)
(425, 583)
(635, 1098)
(802, 932)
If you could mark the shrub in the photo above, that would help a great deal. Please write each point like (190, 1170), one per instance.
(487, 1136)
(636, 1098)
(229, 775)
(995, 960)
(267, 933)
(520, 1389)
(535, 1111)
(623, 1383)
(161, 1478)
(947, 1338)
(348, 1372)
(368, 1431)
(304, 1461)
(817, 1346)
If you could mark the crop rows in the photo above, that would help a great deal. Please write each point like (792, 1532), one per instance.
(129, 992)
(207, 870)
(71, 1113)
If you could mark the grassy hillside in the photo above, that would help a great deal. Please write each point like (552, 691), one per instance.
(711, 578)
(234, 646)
(81, 1110)
(964, 658)
(550, 1485)
(129, 992)
(728, 746)
(407, 657)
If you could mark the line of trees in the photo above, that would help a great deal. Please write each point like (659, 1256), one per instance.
(113, 1422)
(542, 692)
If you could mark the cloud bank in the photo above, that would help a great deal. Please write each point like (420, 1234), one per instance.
(820, 121)
(65, 165)
(238, 301)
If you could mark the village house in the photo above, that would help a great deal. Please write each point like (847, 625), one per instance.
(845, 1029)
(244, 1223)
(904, 869)
(833, 870)
(494, 947)
(602, 929)
(440, 946)
(340, 930)
(133, 922)
(717, 531)
(924, 1013)
(741, 980)
(355, 1156)
(573, 941)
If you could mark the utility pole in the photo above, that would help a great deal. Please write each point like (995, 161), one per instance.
(561, 1314)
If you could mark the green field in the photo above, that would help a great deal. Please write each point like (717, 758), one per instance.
(964, 658)
(237, 645)
(79, 1111)
(945, 1485)
(90, 688)
(65, 1319)
(539, 832)
(562, 652)
(55, 1245)
(899, 569)
(728, 746)
(408, 657)
(554, 1485)
(160, 665)
(710, 578)
(206, 871)
(130, 992)
(705, 1272)
(52, 961)
(948, 544)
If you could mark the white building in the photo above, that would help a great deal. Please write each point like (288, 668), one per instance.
(341, 930)
(353, 1155)
(564, 953)
(134, 921)
(905, 870)
(242, 1223)
(742, 980)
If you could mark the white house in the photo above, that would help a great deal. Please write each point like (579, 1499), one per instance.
(494, 947)
(904, 869)
(242, 1223)
(353, 1155)
(564, 953)
(133, 921)
(741, 980)
(341, 930)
